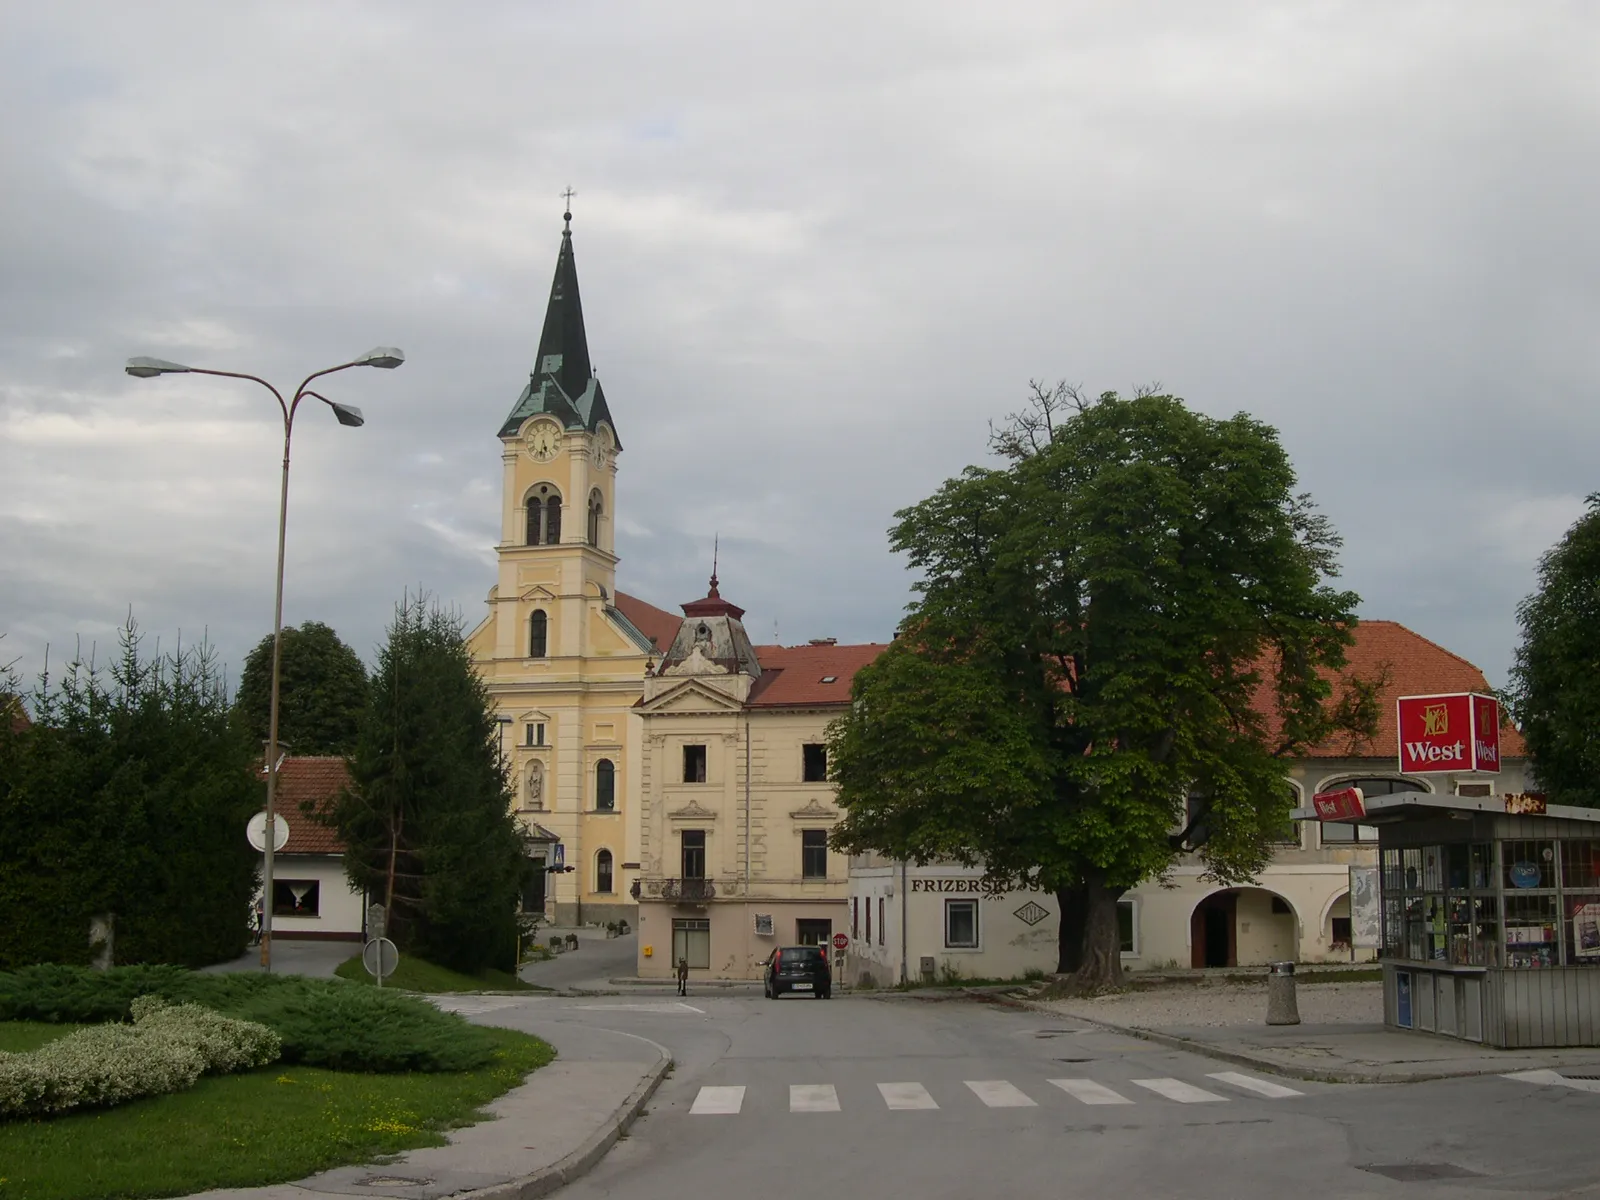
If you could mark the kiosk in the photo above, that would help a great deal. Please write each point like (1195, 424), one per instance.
(1490, 915)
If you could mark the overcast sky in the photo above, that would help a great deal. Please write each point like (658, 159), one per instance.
(820, 247)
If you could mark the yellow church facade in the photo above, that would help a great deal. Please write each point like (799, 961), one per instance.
(562, 654)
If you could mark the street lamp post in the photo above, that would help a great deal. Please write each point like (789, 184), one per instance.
(387, 357)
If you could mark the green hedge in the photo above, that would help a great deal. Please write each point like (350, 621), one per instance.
(322, 1023)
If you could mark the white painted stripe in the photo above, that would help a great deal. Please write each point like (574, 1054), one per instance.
(1176, 1089)
(813, 1097)
(1090, 1092)
(906, 1096)
(718, 1101)
(1250, 1084)
(997, 1093)
(1555, 1079)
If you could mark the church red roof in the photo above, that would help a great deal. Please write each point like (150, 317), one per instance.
(657, 624)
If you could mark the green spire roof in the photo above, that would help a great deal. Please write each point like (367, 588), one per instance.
(562, 382)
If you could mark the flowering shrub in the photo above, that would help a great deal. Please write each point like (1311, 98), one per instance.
(165, 1050)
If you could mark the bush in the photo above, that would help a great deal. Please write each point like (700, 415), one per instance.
(165, 1050)
(325, 1023)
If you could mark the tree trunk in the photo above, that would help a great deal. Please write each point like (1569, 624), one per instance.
(1069, 934)
(1100, 961)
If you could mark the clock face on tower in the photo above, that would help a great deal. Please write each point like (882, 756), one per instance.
(601, 447)
(543, 440)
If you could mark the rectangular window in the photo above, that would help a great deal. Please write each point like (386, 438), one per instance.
(1337, 831)
(814, 763)
(1341, 931)
(961, 924)
(855, 918)
(694, 764)
(1126, 927)
(881, 925)
(812, 932)
(869, 920)
(691, 940)
(533, 734)
(294, 898)
(813, 854)
(694, 853)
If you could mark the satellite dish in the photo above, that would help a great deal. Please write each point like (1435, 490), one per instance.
(256, 831)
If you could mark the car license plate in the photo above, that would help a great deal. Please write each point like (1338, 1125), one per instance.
(802, 987)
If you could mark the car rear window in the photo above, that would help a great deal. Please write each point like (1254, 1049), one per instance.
(799, 956)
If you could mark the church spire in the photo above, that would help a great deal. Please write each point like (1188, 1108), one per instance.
(562, 382)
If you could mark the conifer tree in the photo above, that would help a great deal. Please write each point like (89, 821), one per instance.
(427, 821)
(321, 691)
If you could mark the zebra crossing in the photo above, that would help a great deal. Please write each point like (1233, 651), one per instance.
(729, 1100)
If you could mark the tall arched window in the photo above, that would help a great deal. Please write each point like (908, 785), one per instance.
(552, 521)
(605, 786)
(602, 871)
(538, 634)
(543, 516)
(594, 517)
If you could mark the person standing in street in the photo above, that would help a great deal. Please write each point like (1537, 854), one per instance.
(683, 976)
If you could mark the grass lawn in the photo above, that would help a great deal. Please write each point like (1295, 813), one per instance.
(415, 975)
(18, 1037)
(278, 1123)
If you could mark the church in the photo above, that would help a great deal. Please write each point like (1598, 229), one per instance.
(662, 761)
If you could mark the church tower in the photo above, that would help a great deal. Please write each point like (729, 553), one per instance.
(563, 663)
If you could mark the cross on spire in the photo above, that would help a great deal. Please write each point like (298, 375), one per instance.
(567, 215)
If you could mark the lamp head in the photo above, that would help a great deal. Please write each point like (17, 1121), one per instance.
(387, 357)
(348, 414)
(149, 368)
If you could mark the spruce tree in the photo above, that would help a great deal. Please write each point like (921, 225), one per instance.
(427, 821)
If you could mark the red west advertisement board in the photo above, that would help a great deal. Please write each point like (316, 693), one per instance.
(1453, 733)
(1343, 805)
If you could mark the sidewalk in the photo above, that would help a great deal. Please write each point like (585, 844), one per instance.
(541, 1136)
(1334, 1053)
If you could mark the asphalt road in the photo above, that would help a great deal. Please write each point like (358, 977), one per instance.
(902, 1097)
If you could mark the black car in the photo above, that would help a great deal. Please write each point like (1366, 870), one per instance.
(802, 969)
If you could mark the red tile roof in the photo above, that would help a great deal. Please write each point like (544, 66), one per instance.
(655, 623)
(793, 675)
(1411, 666)
(315, 781)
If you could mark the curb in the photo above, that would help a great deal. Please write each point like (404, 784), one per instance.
(1260, 1063)
(582, 1160)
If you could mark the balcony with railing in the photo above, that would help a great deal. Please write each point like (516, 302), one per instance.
(678, 891)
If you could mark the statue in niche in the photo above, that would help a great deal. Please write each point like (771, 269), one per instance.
(535, 785)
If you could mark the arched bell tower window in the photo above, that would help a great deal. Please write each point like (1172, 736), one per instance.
(594, 517)
(538, 634)
(544, 516)
(605, 785)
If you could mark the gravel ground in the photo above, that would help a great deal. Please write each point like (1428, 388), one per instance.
(1179, 1005)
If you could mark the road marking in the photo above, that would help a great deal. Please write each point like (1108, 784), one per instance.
(906, 1096)
(676, 1006)
(1176, 1089)
(718, 1101)
(1090, 1092)
(1555, 1079)
(1275, 1091)
(997, 1093)
(813, 1097)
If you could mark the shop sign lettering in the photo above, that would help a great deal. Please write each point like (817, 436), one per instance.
(978, 887)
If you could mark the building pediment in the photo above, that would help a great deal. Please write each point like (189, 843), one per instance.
(693, 811)
(814, 811)
(538, 593)
(532, 717)
(692, 696)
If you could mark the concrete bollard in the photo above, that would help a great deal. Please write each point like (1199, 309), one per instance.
(1281, 1006)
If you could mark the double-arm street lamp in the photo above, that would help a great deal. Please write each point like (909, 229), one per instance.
(384, 356)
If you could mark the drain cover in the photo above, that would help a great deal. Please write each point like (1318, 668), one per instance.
(1421, 1172)
(394, 1181)
(1564, 1074)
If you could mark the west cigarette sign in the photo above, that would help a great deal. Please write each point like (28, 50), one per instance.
(1458, 732)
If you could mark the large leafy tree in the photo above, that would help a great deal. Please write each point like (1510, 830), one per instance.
(1555, 681)
(321, 692)
(427, 822)
(1117, 639)
(127, 795)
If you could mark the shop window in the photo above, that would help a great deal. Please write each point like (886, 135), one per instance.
(813, 854)
(961, 924)
(1127, 927)
(691, 941)
(295, 898)
(694, 764)
(538, 633)
(693, 853)
(602, 871)
(814, 763)
(605, 786)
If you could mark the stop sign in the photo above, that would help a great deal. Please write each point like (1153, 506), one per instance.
(841, 941)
